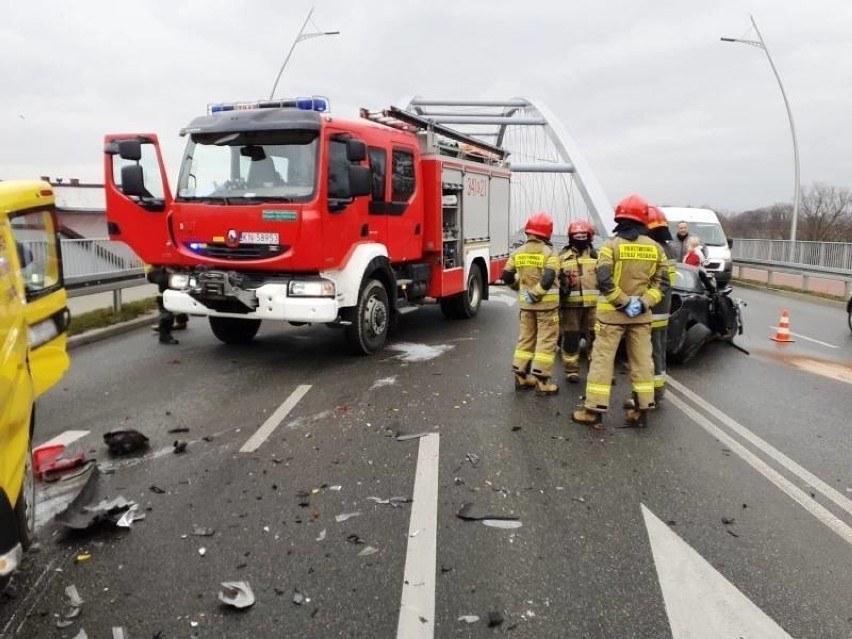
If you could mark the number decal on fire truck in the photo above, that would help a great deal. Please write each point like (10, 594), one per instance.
(476, 185)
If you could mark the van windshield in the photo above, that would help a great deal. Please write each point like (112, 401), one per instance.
(710, 234)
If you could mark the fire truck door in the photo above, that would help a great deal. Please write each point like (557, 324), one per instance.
(138, 198)
(404, 209)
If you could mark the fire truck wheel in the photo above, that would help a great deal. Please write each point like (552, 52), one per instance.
(234, 331)
(370, 319)
(466, 304)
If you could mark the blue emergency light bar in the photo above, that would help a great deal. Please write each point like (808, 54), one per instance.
(313, 103)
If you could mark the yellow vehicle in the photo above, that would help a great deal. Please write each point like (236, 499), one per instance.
(33, 334)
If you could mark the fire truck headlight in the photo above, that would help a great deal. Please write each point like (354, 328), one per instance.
(311, 288)
(178, 280)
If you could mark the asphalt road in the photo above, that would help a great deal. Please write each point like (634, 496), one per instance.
(729, 516)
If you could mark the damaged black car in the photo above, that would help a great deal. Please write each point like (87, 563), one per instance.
(700, 313)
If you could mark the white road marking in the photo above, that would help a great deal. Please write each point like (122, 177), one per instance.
(700, 602)
(810, 339)
(794, 492)
(274, 420)
(65, 439)
(417, 607)
(805, 475)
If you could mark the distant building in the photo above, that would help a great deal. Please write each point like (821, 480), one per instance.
(80, 208)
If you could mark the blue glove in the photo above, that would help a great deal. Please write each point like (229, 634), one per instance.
(528, 298)
(634, 307)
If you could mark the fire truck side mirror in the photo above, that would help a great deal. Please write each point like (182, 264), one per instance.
(130, 150)
(360, 180)
(356, 150)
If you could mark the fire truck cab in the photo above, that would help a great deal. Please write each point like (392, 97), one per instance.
(284, 212)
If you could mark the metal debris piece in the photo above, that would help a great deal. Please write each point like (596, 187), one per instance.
(64, 622)
(300, 599)
(180, 446)
(354, 539)
(404, 437)
(473, 458)
(202, 551)
(581, 500)
(82, 557)
(495, 618)
(727, 520)
(321, 536)
(74, 597)
(502, 523)
(369, 550)
(156, 489)
(179, 429)
(79, 515)
(344, 516)
(396, 502)
(469, 618)
(203, 531)
(335, 488)
(237, 594)
(127, 519)
(470, 512)
(123, 442)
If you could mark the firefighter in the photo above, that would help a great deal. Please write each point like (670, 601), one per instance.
(658, 230)
(632, 278)
(531, 270)
(167, 320)
(578, 295)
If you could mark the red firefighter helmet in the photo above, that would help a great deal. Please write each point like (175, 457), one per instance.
(579, 227)
(633, 207)
(541, 225)
(656, 218)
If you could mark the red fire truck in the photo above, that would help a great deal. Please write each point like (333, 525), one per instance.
(284, 212)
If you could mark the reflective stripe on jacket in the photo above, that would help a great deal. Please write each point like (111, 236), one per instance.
(535, 265)
(578, 278)
(626, 269)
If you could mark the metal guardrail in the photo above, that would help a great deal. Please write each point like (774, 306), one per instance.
(823, 257)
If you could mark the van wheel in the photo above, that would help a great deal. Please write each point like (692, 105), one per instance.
(466, 304)
(234, 331)
(25, 507)
(370, 320)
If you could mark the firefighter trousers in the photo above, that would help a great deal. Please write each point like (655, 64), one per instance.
(599, 382)
(658, 348)
(576, 322)
(536, 348)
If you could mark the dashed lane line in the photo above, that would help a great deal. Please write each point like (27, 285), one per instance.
(417, 608)
(262, 434)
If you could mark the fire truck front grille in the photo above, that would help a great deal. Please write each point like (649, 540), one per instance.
(236, 253)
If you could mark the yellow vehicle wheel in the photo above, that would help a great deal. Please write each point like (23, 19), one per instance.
(25, 506)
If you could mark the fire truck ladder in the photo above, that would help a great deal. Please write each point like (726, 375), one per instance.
(548, 168)
(408, 121)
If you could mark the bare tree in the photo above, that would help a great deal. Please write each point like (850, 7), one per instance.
(825, 214)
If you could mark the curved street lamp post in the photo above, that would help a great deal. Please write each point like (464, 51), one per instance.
(761, 44)
(299, 38)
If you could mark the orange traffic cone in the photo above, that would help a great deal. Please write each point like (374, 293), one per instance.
(783, 332)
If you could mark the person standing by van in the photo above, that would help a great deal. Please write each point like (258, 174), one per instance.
(681, 242)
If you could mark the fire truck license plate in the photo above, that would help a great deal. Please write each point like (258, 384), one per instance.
(258, 238)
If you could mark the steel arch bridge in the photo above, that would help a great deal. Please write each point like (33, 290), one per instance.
(549, 171)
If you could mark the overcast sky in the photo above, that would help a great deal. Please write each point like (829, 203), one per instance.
(656, 102)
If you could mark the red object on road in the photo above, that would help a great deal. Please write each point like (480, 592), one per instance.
(47, 460)
(783, 333)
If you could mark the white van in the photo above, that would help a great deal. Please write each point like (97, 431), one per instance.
(705, 224)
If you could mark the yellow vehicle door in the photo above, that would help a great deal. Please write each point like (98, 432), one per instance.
(29, 208)
(16, 389)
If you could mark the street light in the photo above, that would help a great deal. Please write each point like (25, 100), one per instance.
(761, 44)
(299, 38)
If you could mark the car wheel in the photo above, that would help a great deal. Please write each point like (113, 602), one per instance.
(25, 506)
(696, 336)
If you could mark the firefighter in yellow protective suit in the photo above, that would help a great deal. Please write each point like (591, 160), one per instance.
(578, 295)
(632, 278)
(532, 270)
(658, 230)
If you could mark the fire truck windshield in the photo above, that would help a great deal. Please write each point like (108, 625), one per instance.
(236, 168)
